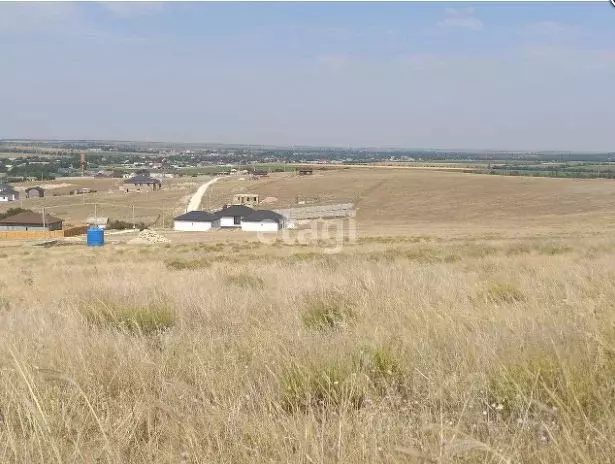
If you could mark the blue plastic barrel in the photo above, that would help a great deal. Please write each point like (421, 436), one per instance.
(96, 236)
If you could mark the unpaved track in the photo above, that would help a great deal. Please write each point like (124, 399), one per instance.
(195, 202)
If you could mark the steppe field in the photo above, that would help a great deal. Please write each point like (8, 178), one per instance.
(471, 321)
(149, 207)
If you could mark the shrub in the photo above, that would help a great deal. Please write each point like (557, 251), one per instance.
(190, 264)
(502, 292)
(118, 224)
(385, 368)
(330, 385)
(421, 255)
(553, 249)
(479, 251)
(327, 310)
(518, 249)
(575, 380)
(148, 319)
(246, 281)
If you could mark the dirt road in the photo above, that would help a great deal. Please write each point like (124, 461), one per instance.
(195, 202)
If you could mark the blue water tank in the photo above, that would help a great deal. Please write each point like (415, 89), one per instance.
(96, 236)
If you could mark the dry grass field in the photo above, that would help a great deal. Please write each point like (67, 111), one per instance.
(401, 201)
(170, 201)
(459, 337)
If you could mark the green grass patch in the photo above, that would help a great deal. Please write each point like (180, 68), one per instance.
(188, 264)
(245, 280)
(328, 310)
(147, 319)
(344, 382)
(323, 386)
(576, 380)
(503, 292)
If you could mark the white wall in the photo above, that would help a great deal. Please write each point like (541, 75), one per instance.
(192, 226)
(228, 222)
(263, 226)
(8, 198)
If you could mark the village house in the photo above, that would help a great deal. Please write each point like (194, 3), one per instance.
(35, 192)
(250, 199)
(262, 221)
(30, 221)
(230, 216)
(8, 193)
(196, 221)
(141, 183)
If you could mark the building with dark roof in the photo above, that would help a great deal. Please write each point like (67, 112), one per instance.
(196, 221)
(35, 192)
(230, 216)
(31, 221)
(263, 221)
(141, 183)
(8, 193)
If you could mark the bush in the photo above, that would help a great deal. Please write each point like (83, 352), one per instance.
(573, 379)
(245, 281)
(327, 310)
(149, 319)
(188, 264)
(123, 225)
(501, 292)
(331, 385)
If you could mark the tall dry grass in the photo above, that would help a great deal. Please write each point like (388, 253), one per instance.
(458, 352)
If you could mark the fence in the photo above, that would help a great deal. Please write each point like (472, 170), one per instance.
(41, 234)
(315, 212)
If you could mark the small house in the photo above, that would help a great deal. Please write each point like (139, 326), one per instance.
(305, 171)
(35, 192)
(141, 183)
(262, 221)
(231, 216)
(8, 193)
(196, 221)
(30, 221)
(245, 199)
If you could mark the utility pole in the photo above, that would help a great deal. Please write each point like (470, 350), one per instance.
(95, 214)
(134, 225)
(43, 214)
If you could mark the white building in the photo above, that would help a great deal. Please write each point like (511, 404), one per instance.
(231, 216)
(8, 193)
(196, 221)
(262, 221)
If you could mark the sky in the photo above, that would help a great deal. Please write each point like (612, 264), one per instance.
(509, 76)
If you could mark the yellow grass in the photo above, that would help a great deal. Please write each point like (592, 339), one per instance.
(399, 201)
(170, 201)
(424, 347)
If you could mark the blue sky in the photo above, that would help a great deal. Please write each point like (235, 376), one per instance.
(418, 75)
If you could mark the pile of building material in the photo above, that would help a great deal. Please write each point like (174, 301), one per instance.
(149, 236)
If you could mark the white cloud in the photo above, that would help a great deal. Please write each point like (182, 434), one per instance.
(125, 10)
(549, 29)
(461, 18)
